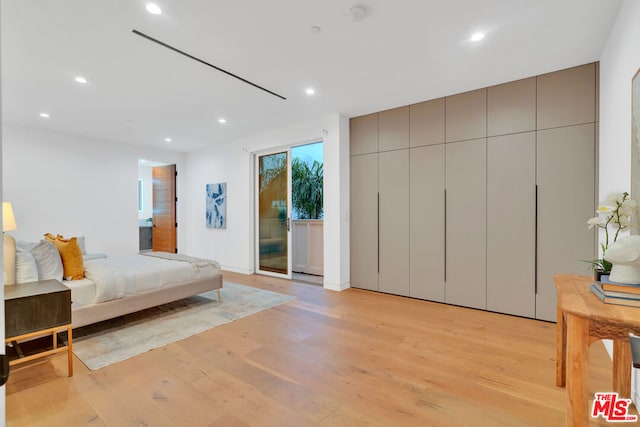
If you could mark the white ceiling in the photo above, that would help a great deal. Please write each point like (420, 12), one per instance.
(402, 52)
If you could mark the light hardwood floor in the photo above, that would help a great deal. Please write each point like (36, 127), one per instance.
(352, 358)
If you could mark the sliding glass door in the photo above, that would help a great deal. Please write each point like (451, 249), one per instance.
(273, 213)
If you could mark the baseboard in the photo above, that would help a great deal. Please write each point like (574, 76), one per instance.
(236, 270)
(336, 287)
(339, 287)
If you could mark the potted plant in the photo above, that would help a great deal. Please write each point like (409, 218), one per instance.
(618, 214)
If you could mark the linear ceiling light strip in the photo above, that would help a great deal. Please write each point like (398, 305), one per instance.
(136, 32)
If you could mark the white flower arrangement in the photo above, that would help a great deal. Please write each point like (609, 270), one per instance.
(619, 213)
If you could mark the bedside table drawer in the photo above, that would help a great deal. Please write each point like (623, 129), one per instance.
(31, 307)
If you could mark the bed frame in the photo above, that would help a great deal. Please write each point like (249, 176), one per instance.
(93, 313)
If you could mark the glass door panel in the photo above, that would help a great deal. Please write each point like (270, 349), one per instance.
(273, 213)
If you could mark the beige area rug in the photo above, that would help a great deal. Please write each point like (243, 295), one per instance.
(112, 341)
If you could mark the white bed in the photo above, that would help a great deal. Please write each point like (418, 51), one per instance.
(125, 284)
(114, 286)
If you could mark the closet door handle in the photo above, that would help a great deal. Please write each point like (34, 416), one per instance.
(535, 239)
(445, 234)
(378, 210)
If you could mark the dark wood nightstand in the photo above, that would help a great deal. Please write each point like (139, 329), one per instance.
(37, 309)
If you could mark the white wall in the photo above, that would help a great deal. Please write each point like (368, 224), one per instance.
(232, 163)
(145, 173)
(619, 62)
(76, 186)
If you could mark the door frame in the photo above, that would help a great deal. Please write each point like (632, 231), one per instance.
(173, 196)
(256, 210)
(150, 187)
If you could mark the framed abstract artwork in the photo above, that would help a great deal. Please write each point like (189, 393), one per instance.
(216, 211)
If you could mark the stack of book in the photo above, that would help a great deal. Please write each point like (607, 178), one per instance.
(619, 293)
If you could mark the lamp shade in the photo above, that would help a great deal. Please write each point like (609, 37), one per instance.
(8, 219)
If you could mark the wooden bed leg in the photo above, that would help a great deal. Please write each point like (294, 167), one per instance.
(219, 296)
(70, 350)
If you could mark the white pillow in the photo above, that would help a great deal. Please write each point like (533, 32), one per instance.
(26, 267)
(48, 260)
(26, 245)
(81, 244)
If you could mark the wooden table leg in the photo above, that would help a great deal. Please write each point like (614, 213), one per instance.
(70, 350)
(622, 368)
(561, 349)
(577, 342)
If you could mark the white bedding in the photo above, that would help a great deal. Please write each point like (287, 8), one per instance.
(83, 292)
(124, 276)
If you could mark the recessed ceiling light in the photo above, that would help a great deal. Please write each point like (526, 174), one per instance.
(153, 9)
(476, 37)
(310, 91)
(356, 13)
(45, 115)
(222, 120)
(168, 140)
(80, 79)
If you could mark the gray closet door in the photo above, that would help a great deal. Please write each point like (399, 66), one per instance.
(426, 184)
(567, 97)
(566, 180)
(364, 221)
(426, 123)
(466, 115)
(466, 223)
(394, 222)
(511, 239)
(393, 129)
(364, 134)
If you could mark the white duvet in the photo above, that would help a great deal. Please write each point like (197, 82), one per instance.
(124, 276)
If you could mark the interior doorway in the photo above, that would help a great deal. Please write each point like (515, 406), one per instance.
(157, 199)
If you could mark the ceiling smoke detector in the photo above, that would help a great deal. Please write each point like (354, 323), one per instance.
(356, 13)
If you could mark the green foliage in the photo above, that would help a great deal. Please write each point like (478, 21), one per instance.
(600, 264)
(307, 188)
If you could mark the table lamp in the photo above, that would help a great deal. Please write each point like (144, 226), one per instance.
(8, 243)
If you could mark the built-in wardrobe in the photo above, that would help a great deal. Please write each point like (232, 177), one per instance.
(479, 198)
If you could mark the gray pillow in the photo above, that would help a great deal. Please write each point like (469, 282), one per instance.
(26, 267)
(48, 260)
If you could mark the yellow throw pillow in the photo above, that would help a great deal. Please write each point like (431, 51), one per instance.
(72, 263)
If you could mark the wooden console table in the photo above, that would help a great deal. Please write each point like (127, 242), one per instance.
(583, 319)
